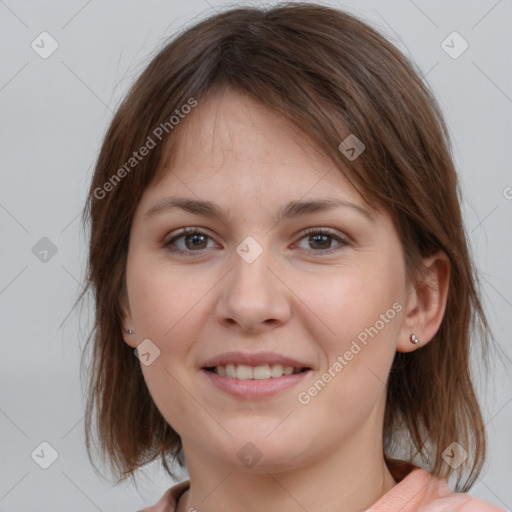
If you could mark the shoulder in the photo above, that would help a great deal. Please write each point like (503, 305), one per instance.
(168, 501)
(419, 491)
(460, 502)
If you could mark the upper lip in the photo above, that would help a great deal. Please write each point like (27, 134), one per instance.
(255, 359)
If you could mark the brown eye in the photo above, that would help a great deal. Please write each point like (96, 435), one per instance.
(188, 240)
(320, 240)
(192, 240)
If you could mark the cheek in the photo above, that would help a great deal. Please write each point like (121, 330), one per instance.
(159, 296)
(355, 303)
(363, 316)
(361, 308)
(165, 304)
(169, 396)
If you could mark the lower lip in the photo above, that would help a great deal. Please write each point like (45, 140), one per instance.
(254, 388)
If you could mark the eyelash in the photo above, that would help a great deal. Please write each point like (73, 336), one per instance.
(311, 231)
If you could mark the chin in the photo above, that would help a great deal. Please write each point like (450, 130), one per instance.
(253, 452)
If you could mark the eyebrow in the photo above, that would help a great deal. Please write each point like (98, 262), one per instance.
(290, 210)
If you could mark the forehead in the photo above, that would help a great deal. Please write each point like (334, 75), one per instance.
(230, 127)
(232, 141)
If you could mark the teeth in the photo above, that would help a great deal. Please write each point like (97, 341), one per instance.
(261, 372)
(246, 372)
(276, 370)
(230, 371)
(243, 372)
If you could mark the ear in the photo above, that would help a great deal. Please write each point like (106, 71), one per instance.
(426, 303)
(127, 323)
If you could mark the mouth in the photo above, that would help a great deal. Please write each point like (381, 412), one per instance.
(260, 372)
(252, 376)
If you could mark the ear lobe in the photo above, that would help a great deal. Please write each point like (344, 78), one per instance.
(427, 303)
(130, 339)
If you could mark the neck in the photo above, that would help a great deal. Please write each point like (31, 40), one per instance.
(349, 480)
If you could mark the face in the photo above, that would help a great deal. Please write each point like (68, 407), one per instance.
(270, 329)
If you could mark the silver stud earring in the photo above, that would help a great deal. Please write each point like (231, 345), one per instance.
(414, 339)
(129, 331)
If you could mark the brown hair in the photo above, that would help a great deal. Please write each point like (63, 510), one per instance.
(331, 75)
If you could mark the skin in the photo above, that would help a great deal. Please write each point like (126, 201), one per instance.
(324, 455)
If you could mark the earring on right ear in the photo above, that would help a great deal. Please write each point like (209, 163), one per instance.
(129, 331)
(414, 339)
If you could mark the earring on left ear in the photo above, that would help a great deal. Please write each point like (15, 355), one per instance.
(414, 339)
(129, 331)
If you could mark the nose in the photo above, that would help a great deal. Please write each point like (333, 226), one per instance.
(253, 296)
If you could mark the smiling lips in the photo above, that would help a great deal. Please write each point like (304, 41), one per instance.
(254, 375)
(260, 366)
(265, 371)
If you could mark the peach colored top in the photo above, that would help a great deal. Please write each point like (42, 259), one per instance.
(417, 488)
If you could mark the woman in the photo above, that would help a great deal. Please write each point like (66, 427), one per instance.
(276, 235)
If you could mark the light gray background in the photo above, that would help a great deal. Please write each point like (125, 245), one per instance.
(54, 113)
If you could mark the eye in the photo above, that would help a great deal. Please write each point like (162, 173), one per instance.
(321, 237)
(195, 240)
